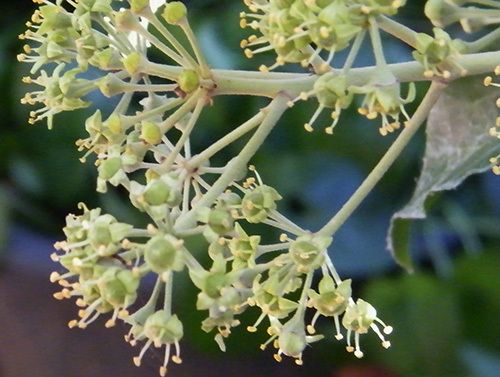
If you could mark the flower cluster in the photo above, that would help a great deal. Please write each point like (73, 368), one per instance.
(106, 261)
(144, 146)
(299, 31)
(495, 130)
(382, 98)
(292, 28)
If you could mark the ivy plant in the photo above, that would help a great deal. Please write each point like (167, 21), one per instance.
(143, 146)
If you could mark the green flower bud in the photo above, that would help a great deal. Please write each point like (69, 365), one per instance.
(433, 52)
(243, 248)
(107, 59)
(441, 12)
(257, 204)
(332, 91)
(110, 85)
(132, 62)
(138, 6)
(213, 284)
(189, 80)
(292, 339)
(164, 253)
(151, 133)
(220, 221)
(269, 299)
(229, 199)
(109, 168)
(331, 300)
(100, 232)
(53, 19)
(308, 252)
(156, 193)
(125, 20)
(174, 12)
(217, 249)
(119, 287)
(163, 328)
(164, 190)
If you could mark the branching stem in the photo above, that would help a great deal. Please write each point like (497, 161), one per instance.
(386, 162)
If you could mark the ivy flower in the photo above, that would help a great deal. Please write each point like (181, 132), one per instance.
(383, 99)
(62, 91)
(359, 318)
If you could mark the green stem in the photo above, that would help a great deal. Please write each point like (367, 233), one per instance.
(236, 167)
(471, 12)
(353, 52)
(205, 70)
(162, 46)
(157, 111)
(475, 64)
(398, 30)
(269, 84)
(483, 42)
(226, 140)
(378, 49)
(126, 46)
(386, 162)
(167, 164)
(151, 17)
(182, 111)
(167, 300)
(488, 3)
(318, 64)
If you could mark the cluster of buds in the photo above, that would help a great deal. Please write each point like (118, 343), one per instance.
(291, 28)
(145, 148)
(495, 130)
(105, 262)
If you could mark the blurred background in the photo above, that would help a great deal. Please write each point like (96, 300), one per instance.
(445, 315)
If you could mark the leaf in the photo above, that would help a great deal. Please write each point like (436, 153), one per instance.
(458, 145)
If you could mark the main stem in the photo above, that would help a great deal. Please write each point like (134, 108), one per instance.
(386, 162)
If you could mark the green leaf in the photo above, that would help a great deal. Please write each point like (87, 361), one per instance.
(458, 145)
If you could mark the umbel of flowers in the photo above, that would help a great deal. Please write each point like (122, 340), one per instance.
(143, 145)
